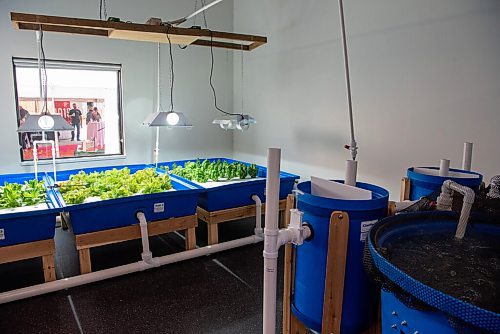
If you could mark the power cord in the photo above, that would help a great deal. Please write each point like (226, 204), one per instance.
(211, 75)
(171, 72)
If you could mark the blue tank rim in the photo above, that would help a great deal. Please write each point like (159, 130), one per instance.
(469, 313)
(440, 179)
(380, 198)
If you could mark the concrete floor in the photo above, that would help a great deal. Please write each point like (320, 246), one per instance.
(221, 293)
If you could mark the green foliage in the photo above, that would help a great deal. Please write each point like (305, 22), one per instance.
(13, 195)
(114, 183)
(204, 171)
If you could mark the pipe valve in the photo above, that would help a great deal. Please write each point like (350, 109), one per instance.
(296, 232)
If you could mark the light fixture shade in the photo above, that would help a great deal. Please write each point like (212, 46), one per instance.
(162, 118)
(240, 122)
(47, 123)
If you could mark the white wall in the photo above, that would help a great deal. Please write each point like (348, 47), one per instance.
(425, 78)
(192, 91)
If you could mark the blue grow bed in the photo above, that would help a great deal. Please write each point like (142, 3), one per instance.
(120, 212)
(27, 226)
(237, 194)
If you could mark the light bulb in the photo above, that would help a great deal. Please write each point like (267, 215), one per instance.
(172, 118)
(243, 124)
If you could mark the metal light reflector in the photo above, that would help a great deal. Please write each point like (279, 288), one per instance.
(170, 119)
(49, 122)
(239, 122)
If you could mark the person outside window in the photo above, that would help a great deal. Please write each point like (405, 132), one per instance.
(88, 117)
(96, 116)
(76, 121)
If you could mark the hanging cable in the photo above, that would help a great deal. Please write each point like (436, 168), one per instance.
(171, 72)
(211, 75)
(241, 50)
(103, 10)
(43, 75)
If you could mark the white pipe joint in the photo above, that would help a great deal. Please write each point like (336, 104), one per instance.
(296, 232)
(445, 199)
(467, 156)
(258, 216)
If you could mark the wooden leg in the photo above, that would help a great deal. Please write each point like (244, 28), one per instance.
(85, 263)
(213, 234)
(405, 189)
(287, 285)
(190, 238)
(335, 272)
(296, 327)
(49, 270)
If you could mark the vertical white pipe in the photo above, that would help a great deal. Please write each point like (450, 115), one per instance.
(467, 158)
(157, 146)
(146, 253)
(271, 240)
(351, 170)
(444, 167)
(54, 159)
(35, 159)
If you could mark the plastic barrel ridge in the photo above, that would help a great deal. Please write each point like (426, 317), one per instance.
(359, 303)
(423, 184)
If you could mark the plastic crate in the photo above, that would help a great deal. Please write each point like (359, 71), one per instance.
(225, 196)
(34, 224)
(120, 212)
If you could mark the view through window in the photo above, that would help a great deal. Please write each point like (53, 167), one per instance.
(87, 95)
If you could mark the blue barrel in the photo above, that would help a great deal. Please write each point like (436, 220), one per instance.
(359, 304)
(423, 184)
(443, 313)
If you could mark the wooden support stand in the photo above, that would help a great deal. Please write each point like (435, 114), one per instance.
(405, 189)
(100, 238)
(44, 249)
(213, 218)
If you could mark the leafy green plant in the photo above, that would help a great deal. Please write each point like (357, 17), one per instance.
(114, 183)
(13, 195)
(204, 171)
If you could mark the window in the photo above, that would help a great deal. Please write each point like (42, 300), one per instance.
(87, 95)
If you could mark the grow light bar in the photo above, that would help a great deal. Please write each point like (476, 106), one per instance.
(240, 122)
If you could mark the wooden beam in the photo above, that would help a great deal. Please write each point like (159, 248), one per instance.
(136, 31)
(220, 216)
(26, 251)
(405, 189)
(106, 237)
(335, 272)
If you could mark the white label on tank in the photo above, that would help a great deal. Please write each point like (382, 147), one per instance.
(2, 234)
(365, 228)
(159, 207)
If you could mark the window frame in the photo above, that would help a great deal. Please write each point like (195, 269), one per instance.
(22, 62)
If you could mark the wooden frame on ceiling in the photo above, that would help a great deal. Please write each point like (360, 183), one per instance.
(137, 31)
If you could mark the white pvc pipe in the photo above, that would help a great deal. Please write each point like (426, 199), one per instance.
(467, 157)
(445, 199)
(351, 170)
(146, 252)
(35, 156)
(157, 146)
(271, 240)
(258, 215)
(100, 275)
(444, 167)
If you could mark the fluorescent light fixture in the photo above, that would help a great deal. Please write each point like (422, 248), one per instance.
(170, 119)
(47, 123)
(239, 122)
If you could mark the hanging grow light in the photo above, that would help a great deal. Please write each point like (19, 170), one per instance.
(170, 119)
(239, 122)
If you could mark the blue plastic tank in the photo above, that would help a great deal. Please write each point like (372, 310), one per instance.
(359, 306)
(443, 313)
(423, 184)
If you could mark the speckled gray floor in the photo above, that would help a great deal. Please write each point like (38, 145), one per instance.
(221, 293)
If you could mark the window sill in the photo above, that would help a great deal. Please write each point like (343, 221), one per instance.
(74, 160)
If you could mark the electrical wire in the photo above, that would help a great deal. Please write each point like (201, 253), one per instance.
(103, 10)
(171, 72)
(211, 75)
(44, 76)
